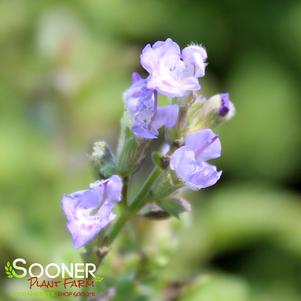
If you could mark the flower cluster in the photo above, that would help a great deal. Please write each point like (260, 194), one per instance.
(172, 73)
(189, 117)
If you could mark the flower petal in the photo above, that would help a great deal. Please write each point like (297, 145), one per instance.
(82, 234)
(195, 55)
(196, 175)
(205, 177)
(183, 162)
(113, 189)
(141, 104)
(143, 132)
(89, 211)
(171, 87)
(136, 77)
(169, 74)
(151, 56)
(205, 144)
(166, 116)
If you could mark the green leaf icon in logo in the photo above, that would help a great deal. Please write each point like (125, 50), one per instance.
(10, 272)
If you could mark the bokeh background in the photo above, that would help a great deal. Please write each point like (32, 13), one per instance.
(64, 67)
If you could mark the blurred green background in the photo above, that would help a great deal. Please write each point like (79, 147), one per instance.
(64, 67)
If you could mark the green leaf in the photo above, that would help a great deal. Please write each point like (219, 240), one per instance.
(130, 152)
(174, 206)
(153, 211)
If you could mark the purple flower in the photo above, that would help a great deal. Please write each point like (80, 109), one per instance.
(173, 73)
(189, 161)
(89, 211)
(142, 106)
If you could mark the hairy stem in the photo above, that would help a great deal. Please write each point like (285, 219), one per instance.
(124, 194)
(127, 213)
(133, 208)
(139, 200)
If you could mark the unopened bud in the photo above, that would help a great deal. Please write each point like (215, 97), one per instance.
(131, 150)
(209, 113)
(102, 160)
(221, 106)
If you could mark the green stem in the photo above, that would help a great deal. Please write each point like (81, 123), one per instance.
(117, 227)
(127, 211)
(139, 200)
(136, 204)
(124, 194)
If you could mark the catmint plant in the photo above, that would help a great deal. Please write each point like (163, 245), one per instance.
(97, 215)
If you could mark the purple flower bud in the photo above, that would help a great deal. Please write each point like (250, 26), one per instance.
(142, 107)
(173, 73)
(221, 106)
(89, 211)
(209, 113)
(189, 161)
(225, 104)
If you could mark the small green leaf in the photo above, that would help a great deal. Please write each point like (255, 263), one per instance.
(174, 206)
(153, 211)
